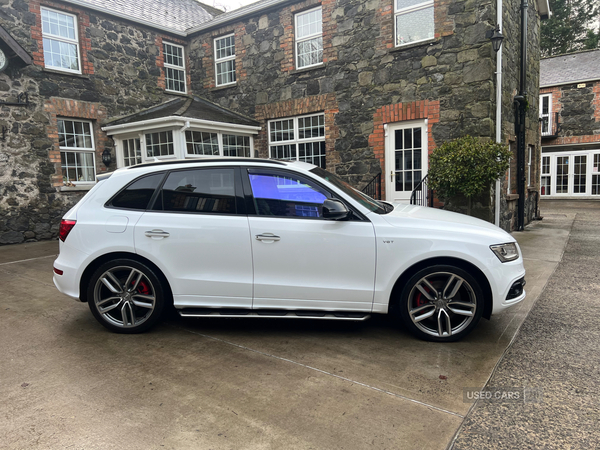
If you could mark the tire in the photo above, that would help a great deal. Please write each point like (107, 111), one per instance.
(441, 303)
(126, 310)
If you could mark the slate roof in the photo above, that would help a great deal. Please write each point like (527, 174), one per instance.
(189, 108)
(176, 15)
(571, 68)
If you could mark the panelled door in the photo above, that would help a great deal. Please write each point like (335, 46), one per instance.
(406, 158)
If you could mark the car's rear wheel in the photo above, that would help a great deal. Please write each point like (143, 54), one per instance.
(441, 303)
(126, 296)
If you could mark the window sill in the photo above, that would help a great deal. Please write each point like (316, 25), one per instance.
(413, 45)
(69, 74)
(180, 94)
(308, 69)
(511, 197)
(80, 187)
(226, 86)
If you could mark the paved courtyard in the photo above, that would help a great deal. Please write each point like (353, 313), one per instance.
(66, 382)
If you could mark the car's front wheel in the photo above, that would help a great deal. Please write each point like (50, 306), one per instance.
(126, 296)
(441, 303)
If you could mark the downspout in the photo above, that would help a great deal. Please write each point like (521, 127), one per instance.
(521, 106)
(498, 106)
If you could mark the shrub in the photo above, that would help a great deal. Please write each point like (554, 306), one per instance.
(466, 166)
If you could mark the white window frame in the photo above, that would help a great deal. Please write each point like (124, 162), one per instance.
(546, 116)
(121, 151)
(224, 60)
(547, 174)
(425, 4)
(144, 144)
(175, 67)
(298, 41)
(87, 150)
(220, 135)
(296, 141)
(54, 37)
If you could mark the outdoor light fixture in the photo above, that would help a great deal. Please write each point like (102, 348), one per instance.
(106, 158)
(496, 37)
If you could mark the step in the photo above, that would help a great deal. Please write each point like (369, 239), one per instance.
(272, 314)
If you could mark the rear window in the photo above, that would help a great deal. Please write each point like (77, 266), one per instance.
(198, 191)
(138, 194)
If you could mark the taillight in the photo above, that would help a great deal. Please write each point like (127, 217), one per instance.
(65, 228)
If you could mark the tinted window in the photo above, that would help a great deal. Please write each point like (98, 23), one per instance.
(289, 196)
(200, 190)
(138, 194)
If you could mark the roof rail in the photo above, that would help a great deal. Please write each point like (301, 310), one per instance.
(207, 160)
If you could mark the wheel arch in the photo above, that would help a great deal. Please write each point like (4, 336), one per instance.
(92, 266)
(461, 263)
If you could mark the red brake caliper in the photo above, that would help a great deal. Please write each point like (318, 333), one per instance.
(143, 288)
(421, 300)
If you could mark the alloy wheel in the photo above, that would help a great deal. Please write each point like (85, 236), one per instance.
(442, 304)
(124, 296)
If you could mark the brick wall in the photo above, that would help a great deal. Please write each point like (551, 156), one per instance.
(425, 109)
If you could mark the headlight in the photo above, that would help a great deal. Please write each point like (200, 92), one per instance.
(506, 252)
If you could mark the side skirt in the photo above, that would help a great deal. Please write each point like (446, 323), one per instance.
(272, 314)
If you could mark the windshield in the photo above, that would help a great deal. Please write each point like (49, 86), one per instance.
(366, 201)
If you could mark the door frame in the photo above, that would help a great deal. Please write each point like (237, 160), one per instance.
(389, 173)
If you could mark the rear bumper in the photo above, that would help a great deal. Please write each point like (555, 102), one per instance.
(71, 263)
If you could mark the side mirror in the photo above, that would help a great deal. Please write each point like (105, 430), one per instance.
(335, 210)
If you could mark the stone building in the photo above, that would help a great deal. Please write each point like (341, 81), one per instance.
(570, 126)
(360, 87)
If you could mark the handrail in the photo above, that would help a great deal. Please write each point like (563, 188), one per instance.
(421, 195)
(373, 187)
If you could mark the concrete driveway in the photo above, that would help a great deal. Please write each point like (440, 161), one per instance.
(67, 383)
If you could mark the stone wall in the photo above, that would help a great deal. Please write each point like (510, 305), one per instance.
(364, 70)
(122, 74)
(511, 65)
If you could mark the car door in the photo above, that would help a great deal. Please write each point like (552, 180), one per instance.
(301, 260)
(197, 233)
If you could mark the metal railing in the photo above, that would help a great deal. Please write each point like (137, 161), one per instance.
(373, 188)
(421, 195)
(549, 126)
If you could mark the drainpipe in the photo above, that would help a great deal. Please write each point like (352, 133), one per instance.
(520, 105)
(498, 106)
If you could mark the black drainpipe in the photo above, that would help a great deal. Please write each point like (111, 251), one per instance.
(520, 113)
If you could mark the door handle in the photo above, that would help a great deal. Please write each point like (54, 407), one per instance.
(267, 237)
(157, 234)
(391, 175)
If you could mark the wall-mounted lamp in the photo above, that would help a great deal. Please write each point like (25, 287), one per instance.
(496, 37)
(106, 158)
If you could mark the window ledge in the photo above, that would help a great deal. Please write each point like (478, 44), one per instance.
(69, 74)
(413, 45)
(308, 69)
(532, 188)
(180, 94)
(511, 197)
(81, 187)
(227, 86)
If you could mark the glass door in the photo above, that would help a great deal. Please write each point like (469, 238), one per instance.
(406, 159)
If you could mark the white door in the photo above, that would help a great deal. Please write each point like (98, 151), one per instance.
(302, 261)
(196, 238)
(406, 158)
